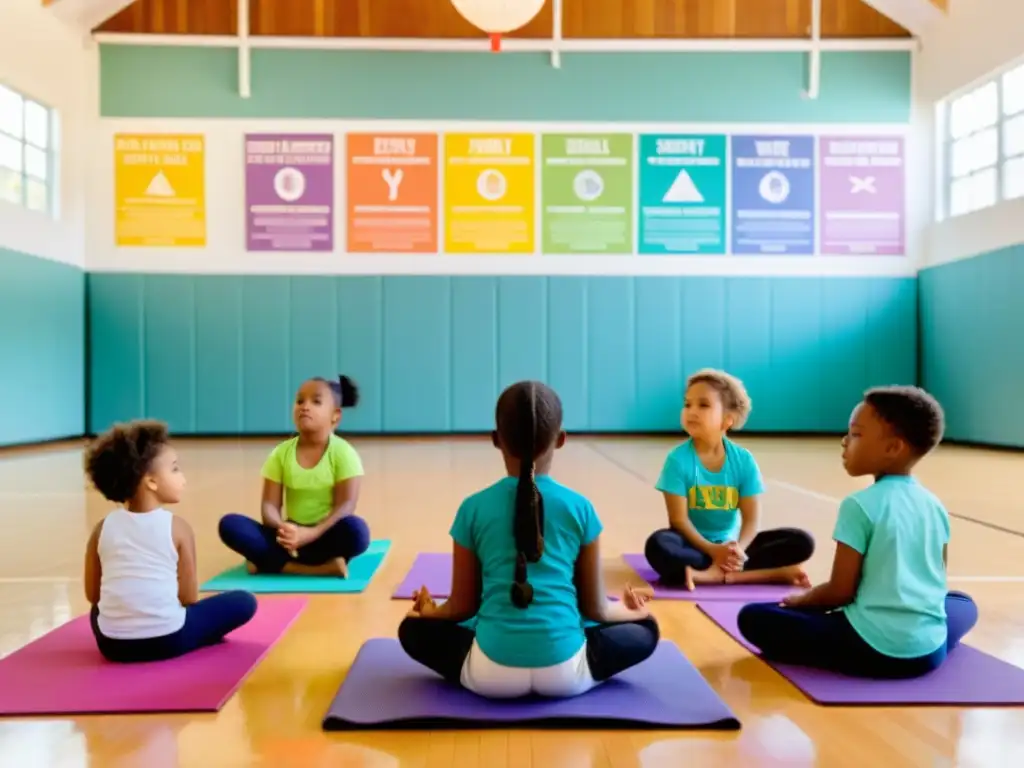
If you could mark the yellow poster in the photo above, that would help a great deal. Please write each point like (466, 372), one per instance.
(489, 193)
(159, 190)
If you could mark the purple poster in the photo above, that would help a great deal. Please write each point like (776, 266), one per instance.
(863, 204)
(289, 192)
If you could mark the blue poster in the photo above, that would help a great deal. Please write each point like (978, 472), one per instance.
(682, 194)
(773, 194)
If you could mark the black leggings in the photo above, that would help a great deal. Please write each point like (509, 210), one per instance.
(669, 553)
(828, 640)
(442, 645)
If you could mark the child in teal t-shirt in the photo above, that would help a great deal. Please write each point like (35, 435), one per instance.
(310, 490)
(712, 489)
(527, 568)
(885, 611)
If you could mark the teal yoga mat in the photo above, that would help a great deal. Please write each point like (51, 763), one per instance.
(361, 571)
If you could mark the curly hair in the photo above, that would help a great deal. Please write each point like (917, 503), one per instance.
(735, 399)
(914, 415)
(117, 460)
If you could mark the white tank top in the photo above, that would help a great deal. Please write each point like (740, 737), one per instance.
(139, 576)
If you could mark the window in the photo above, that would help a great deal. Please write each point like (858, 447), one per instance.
(27, 152)
(972, 151)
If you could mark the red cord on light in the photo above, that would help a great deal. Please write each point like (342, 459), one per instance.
(495, 42)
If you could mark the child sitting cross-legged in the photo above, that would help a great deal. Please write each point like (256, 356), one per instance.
(884, 612)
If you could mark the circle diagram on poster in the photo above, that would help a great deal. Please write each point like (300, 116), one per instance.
(774, 187)
(289, 184)
(491, 184)
(588, 185)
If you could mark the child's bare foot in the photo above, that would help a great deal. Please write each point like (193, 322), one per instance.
(795, 575)
(341, 566)
(712, 575)
(250, 567)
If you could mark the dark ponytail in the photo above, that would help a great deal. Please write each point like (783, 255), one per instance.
(528, 521)
(348, 392)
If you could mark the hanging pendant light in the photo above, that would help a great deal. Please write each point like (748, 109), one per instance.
(498, 17)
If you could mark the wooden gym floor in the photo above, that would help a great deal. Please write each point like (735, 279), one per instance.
(410, 494)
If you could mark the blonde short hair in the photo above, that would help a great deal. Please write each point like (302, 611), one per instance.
(735, 399)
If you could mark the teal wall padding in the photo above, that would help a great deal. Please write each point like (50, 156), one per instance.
(224, 355)
(972, 354)
(42, 349)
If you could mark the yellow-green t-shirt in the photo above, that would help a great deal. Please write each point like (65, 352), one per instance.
(309, 493)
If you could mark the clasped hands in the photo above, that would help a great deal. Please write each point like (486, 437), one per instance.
(293, 537)
(729, 556)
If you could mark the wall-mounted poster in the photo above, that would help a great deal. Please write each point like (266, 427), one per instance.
(773, 195)
(159, 190)
(587, 193)
(863, 197)
(489, 193)
(682, 194)
(392, 192)
(289, 192)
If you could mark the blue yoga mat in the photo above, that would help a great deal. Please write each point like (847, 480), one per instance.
(361, 571)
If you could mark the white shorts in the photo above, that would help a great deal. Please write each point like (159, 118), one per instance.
(493, 681)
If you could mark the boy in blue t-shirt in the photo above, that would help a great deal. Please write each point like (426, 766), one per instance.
(885, 611)
(712, 488)
(527, 571)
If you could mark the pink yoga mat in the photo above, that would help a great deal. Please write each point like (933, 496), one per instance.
(62, 673)
(743, 593)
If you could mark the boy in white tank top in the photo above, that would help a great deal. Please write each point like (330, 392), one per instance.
(140, 565)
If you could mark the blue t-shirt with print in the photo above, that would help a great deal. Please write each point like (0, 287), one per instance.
(901, 529)
(549, 630)
(712, 498)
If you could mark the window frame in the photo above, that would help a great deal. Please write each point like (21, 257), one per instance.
(51, 151)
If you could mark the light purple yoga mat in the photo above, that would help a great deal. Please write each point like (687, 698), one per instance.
(430, 569)
(62, 673)
(743, 593)
(386, 690)
(969, 677)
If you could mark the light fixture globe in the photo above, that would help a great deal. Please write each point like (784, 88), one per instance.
(498, 17)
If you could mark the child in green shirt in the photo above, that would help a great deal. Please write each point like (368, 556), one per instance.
(310, 490)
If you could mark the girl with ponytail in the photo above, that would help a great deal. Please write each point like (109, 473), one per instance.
(529, 634)
(310, 490)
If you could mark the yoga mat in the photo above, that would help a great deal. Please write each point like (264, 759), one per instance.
(62, 673)
(361, 571)
(430, 569)
(744, 593)
(386, 690)
(969, 677)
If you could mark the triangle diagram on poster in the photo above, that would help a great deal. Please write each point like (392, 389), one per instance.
(683, 190)
(160, 186)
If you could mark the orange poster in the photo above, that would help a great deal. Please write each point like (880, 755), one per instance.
(392, 193)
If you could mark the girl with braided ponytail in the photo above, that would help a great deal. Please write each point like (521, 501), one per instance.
(527, 572)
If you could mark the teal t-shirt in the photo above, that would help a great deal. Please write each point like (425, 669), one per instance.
(550, 630)
(309, 493)
(900, 528)
(712, 498)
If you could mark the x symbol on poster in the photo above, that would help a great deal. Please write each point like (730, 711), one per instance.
(867, 184)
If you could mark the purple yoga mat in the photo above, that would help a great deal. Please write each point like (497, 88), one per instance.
(62, 673)
(386, 690)
(743, 593)
(969, 677)
(430, 569)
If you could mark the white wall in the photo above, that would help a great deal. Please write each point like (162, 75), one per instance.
(225, 198)
(45, 60)
(978, 37)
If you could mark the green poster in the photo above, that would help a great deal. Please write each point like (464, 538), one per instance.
(587, 193)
